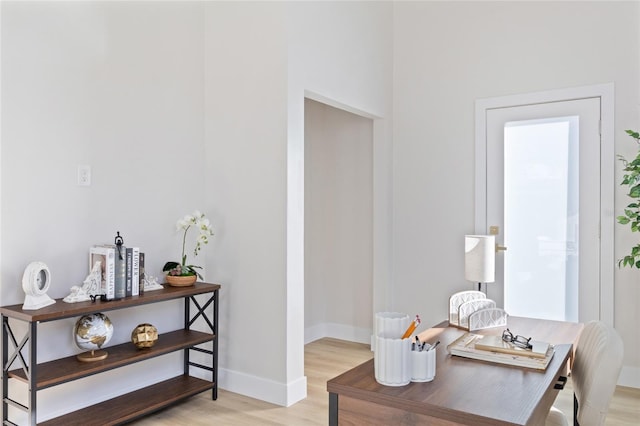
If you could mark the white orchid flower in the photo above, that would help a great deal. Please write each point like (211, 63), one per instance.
(204, 225)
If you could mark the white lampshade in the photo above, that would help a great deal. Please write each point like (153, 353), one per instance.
(480, 258)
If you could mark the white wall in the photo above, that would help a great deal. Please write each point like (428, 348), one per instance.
(262, 59)
(246, 172)
(103, 84)
(447, 55)
(218, 86)
(339, 53)
(338, 224)
(223, 85)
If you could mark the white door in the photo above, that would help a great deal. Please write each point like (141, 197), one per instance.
(543, 192)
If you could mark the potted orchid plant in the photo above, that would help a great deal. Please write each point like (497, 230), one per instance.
(180, 273)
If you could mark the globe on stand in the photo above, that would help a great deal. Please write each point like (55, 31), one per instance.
(91, 333)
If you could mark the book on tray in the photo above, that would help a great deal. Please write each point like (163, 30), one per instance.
(488, 348)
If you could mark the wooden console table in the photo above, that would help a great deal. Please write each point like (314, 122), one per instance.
(464, 391)
(22, 364)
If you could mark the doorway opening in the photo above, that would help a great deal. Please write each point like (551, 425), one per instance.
(338, 223)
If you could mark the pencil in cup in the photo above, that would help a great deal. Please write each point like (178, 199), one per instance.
(412, 327)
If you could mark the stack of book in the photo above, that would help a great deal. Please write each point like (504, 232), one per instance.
(122, 270)
(494, 349)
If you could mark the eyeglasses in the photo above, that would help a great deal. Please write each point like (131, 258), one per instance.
(519, 341)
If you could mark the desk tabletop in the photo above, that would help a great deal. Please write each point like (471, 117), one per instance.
(467, 391)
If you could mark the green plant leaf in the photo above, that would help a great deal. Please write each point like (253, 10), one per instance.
(631, 217)
(633, 134)
(169, 266)
(635, 192)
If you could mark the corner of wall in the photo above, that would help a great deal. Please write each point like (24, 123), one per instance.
(283, 394)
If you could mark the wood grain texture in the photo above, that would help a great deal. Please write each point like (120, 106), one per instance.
(468, 391)
(69, 368)
(325, 359)
(130, 406)
(355, 412)
(125, 407)
(62, 309)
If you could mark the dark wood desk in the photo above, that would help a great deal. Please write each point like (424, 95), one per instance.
(464, 391)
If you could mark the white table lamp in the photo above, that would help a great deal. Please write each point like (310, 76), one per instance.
(480, 259)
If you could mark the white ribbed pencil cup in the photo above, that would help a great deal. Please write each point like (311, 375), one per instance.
(390, 325)
(392, 361)
(423, 366)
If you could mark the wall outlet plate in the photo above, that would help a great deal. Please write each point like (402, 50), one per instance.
(84, 175)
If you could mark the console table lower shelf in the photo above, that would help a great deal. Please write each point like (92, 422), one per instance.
(128, 407)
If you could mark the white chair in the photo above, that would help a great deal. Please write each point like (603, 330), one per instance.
(595, 372)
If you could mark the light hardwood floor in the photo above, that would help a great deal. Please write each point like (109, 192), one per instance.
(325, 359)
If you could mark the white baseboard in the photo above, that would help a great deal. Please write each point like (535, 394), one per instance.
(264, 389)
(629, 377)
(280, 393)
(337, 331)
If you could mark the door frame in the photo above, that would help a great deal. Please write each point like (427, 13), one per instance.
(607, 172)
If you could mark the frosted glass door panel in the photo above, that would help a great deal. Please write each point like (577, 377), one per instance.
(541, 218)
(543, 192)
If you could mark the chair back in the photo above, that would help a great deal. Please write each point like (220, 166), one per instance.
(595, 372)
